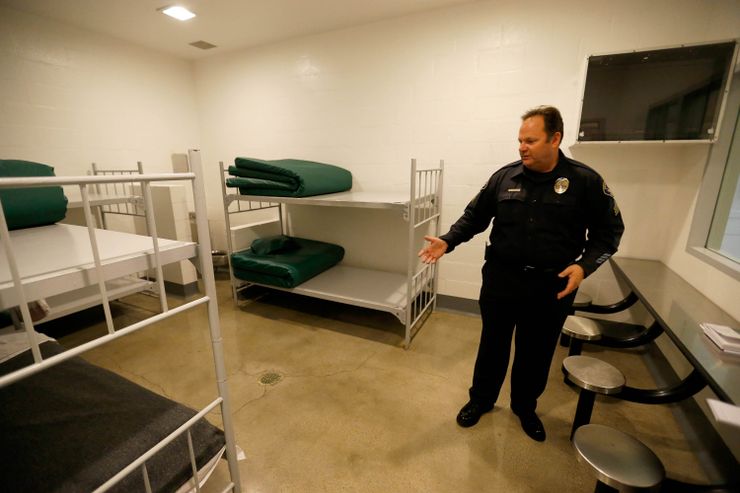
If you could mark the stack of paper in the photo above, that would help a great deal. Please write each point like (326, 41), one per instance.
(727, 339)
(724, 412)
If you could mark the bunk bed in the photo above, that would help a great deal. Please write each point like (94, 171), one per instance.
(410, 295)
(68, 425)
(105, 199)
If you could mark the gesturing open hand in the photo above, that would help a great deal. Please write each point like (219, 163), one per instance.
(433, 251)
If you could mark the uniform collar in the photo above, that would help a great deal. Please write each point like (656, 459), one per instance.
(557, 171)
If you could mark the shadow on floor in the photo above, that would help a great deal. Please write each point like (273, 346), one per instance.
(357, 321)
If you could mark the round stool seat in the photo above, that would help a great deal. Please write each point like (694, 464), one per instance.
(583, 300)
(618, 459)
(582, 328)
(593, 374)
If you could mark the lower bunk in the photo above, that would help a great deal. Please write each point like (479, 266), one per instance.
(74, 426)
(314, 268)
(284, 261)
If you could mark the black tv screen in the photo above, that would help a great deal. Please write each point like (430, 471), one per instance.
(665, 94)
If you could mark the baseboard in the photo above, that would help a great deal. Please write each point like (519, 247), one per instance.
(454, 304)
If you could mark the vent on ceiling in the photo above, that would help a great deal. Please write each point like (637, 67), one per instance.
(203, 45)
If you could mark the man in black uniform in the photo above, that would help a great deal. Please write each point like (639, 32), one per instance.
(554, 222)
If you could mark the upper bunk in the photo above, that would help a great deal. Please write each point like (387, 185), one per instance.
(359, 199)
(45, 259)
(56, 261)
(420, 200)
(59, 258)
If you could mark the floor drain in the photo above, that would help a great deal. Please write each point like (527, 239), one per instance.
(270, 378)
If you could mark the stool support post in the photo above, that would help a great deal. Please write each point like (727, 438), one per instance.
(584, 408)
(576, 346)
(646, 336)
(687, 387)
(565, 340)
(604, 488)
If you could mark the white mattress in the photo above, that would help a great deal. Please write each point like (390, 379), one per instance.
(58, 258)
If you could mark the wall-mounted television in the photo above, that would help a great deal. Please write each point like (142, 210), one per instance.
(669, 94)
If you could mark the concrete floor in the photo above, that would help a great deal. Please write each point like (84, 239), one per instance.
(354, 411)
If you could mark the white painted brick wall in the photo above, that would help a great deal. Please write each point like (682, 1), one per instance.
(69, 97)
(451, 84)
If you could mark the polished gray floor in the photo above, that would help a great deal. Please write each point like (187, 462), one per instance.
(325, 399)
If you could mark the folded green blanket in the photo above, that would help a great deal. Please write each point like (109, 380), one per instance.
(28, 207)
(287, 177)
(285, 261)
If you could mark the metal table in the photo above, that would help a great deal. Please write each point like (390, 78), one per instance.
(680, 308)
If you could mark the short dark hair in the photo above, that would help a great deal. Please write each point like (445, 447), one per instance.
(553, 120)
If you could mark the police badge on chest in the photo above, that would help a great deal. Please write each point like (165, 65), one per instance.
(561, 185)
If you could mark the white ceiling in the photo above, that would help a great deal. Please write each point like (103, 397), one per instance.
(229, 24)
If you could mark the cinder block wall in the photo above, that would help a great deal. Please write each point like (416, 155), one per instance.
(450, 84)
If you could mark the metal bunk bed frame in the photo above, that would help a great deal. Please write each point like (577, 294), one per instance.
(105, 198)
(99, 276)
(131, 206)
(411, 297)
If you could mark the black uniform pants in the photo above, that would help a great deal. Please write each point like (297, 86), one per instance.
(520, 304)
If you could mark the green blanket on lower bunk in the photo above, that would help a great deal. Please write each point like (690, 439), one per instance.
(285, 261)
(287, 177)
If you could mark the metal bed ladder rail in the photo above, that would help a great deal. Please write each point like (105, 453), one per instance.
(130, 207)
(126, 199)
(233, 204)
(424, 207)
(209, 278)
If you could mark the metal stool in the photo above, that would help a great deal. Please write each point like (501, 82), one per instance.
(582, 301)
(580, 329)
(620, 461)
(592, 376)
(610, 333)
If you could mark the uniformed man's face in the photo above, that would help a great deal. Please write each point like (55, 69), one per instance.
(537, 153)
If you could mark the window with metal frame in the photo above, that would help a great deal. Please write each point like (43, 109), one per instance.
(715, 229)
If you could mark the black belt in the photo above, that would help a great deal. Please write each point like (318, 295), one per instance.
(530, 269)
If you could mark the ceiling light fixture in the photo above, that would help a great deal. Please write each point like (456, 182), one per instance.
(177, 12)
(203, 45)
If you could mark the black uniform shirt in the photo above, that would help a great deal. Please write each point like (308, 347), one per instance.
(534, 225)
